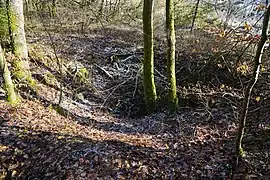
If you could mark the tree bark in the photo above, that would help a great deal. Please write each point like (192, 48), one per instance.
(18, 41)
(172, 96)
(11, 95)
(148, 66)
(16, 28)
(248, 91)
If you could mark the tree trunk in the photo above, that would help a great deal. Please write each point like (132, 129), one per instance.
(18, 41)
(195, 15)
(16, 28)
(148, 66)
(172, 97)
(256, 71)
(12, 96)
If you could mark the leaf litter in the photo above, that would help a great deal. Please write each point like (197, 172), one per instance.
(101, 137)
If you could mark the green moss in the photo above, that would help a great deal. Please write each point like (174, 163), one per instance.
(16, 29)
(13, 101)
(241, 152)
(12, 96)
(50, 78)
(82, 75)
(36, 52)
(4, 24)
(19, 74)
(23, 75)
(148, 63)
(61, 110)
(31, 82)
(172, 96)
(17, 64)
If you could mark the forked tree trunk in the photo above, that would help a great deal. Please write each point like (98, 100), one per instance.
(12, 96)
(148, 66)
(172, 97)
(256, 71)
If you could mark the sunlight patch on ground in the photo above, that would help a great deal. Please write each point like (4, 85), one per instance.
(3, 148)
(32, 116)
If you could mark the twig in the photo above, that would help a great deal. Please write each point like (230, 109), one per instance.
(102, 106)
(159, 73)
(106, 72)
(59, 61)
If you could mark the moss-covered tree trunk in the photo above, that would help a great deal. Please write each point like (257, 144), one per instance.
(172, 97)
(18, 41)
(12, 96)
(148, 66)
(16, 28)
(256, 71)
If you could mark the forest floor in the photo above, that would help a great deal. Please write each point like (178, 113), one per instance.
(100, 131)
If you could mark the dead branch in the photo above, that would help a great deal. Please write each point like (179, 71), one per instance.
(105, 72)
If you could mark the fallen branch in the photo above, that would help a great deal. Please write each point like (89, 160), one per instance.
(103, 70)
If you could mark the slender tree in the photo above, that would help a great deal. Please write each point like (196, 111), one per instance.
(248, 91)
(12, 96)
(172, 97)
(16, 28)
(148, 66)
(195, 15)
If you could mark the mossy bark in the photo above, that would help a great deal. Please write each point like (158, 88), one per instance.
(256, 70)
(18, 41)
(172, 96)
(21, 72)
(16, 27)
(12, 96)
(148, 66)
